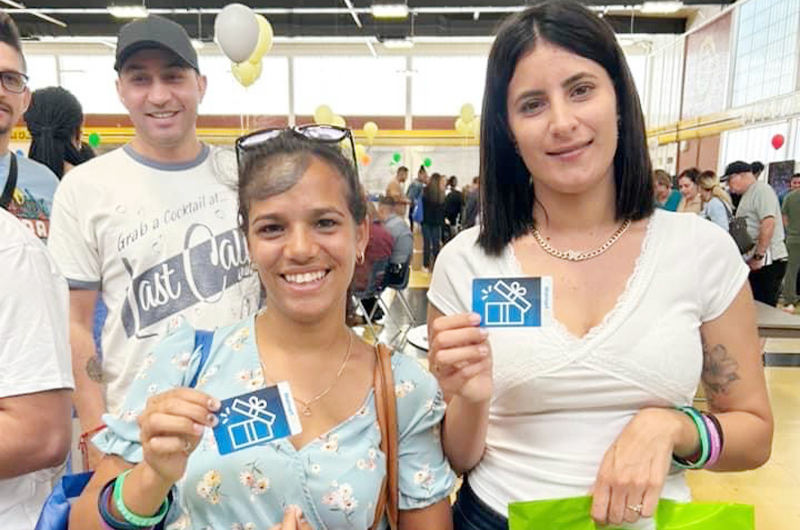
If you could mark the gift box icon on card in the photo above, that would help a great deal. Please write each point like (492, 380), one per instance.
(252, 423)
(506, 304)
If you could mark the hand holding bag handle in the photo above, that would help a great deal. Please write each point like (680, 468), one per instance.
(386, 408)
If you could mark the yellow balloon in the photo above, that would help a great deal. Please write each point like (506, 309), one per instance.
(461, 126)
(264, 40)
(360, 151)
(323, 115)
(370, 130)
(467, 112)
(476, 127)
(338, 121)
(246, 73)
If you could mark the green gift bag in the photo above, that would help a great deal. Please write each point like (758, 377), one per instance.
(573, 514)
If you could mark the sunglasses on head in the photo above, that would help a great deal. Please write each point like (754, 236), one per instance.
(327, 134)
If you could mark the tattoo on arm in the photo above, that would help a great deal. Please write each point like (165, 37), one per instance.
(719, 370)
(94, 369)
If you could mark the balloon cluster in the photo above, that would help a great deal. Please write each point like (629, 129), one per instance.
(467, 124)
(244, 38)
(323, 115)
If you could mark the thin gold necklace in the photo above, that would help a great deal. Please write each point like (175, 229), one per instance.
(574, 255)
(306, 409)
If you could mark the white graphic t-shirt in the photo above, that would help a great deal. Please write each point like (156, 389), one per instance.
(162, 245)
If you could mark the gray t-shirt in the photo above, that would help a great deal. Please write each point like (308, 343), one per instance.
(759, 202)
(403, 240)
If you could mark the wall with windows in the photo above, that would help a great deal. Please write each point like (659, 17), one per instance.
(433, 81)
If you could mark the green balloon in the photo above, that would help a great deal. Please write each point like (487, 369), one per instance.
(397, 157)
(428, 162)
(94, 139)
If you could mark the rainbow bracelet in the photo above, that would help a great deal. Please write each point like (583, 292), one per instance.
(715, 442)
(705, 443)
(139, 521)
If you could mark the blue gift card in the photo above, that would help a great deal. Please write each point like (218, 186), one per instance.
(256, 418)
(513, 302)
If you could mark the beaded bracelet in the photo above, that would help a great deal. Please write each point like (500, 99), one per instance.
(132, 518)
(705, 444)
(713, 436)
(109, 521)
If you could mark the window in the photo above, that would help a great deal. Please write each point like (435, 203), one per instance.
(362, 86)
(224, 95)
(766, 50)
(442, 84)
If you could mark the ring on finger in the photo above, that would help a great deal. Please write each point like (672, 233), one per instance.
(636, 508)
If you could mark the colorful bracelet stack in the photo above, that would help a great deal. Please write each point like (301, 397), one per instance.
(711, 441)
(131, 521)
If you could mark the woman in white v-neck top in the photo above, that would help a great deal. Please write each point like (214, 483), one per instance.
(586, 405)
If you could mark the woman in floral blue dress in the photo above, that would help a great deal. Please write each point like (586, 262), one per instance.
(303, 215)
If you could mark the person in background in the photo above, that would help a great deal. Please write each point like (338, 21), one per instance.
(35, 378)
(304, 218)
(790, 211)
(717, 205)
(402, 240)
(691, 202)
(757, 168)
(762, 213)
(396, 190)
(453, 205)
(54, 119)
(472, 204)
(667, 198)
(379, 247)
(26, 186)
(151, 227)
(598, 402)
(432, 220)
(414, 192)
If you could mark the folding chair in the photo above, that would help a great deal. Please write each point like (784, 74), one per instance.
(373, 289)
(399, 283)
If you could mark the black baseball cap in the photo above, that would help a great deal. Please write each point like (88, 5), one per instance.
(154, 32)
(734, 168)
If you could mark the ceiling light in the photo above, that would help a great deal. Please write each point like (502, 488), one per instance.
(398, 44)
(661, 8)
(128, 11)
(389, 11)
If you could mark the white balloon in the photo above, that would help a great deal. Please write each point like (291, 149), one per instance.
(236, 32)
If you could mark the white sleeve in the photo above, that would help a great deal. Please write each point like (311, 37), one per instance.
(721, 272)
(71, 242)
(34, 323)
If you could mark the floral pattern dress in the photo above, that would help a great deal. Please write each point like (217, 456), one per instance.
(335, 479)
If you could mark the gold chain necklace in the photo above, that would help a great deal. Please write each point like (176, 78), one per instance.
(306, 410)
(574, 255)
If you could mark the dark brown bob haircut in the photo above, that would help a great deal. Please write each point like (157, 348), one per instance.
(507, 196)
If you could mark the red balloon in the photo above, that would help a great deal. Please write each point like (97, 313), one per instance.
(777, 141)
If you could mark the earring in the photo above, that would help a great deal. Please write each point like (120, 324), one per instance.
(253, 268)
(360, 258)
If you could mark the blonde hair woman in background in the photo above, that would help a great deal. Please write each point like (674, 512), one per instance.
(717, 204)
(667, 198)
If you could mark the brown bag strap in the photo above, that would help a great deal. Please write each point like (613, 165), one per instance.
(386, 408)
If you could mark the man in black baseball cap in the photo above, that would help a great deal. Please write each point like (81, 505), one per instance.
(154, 32)
(735, 168)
